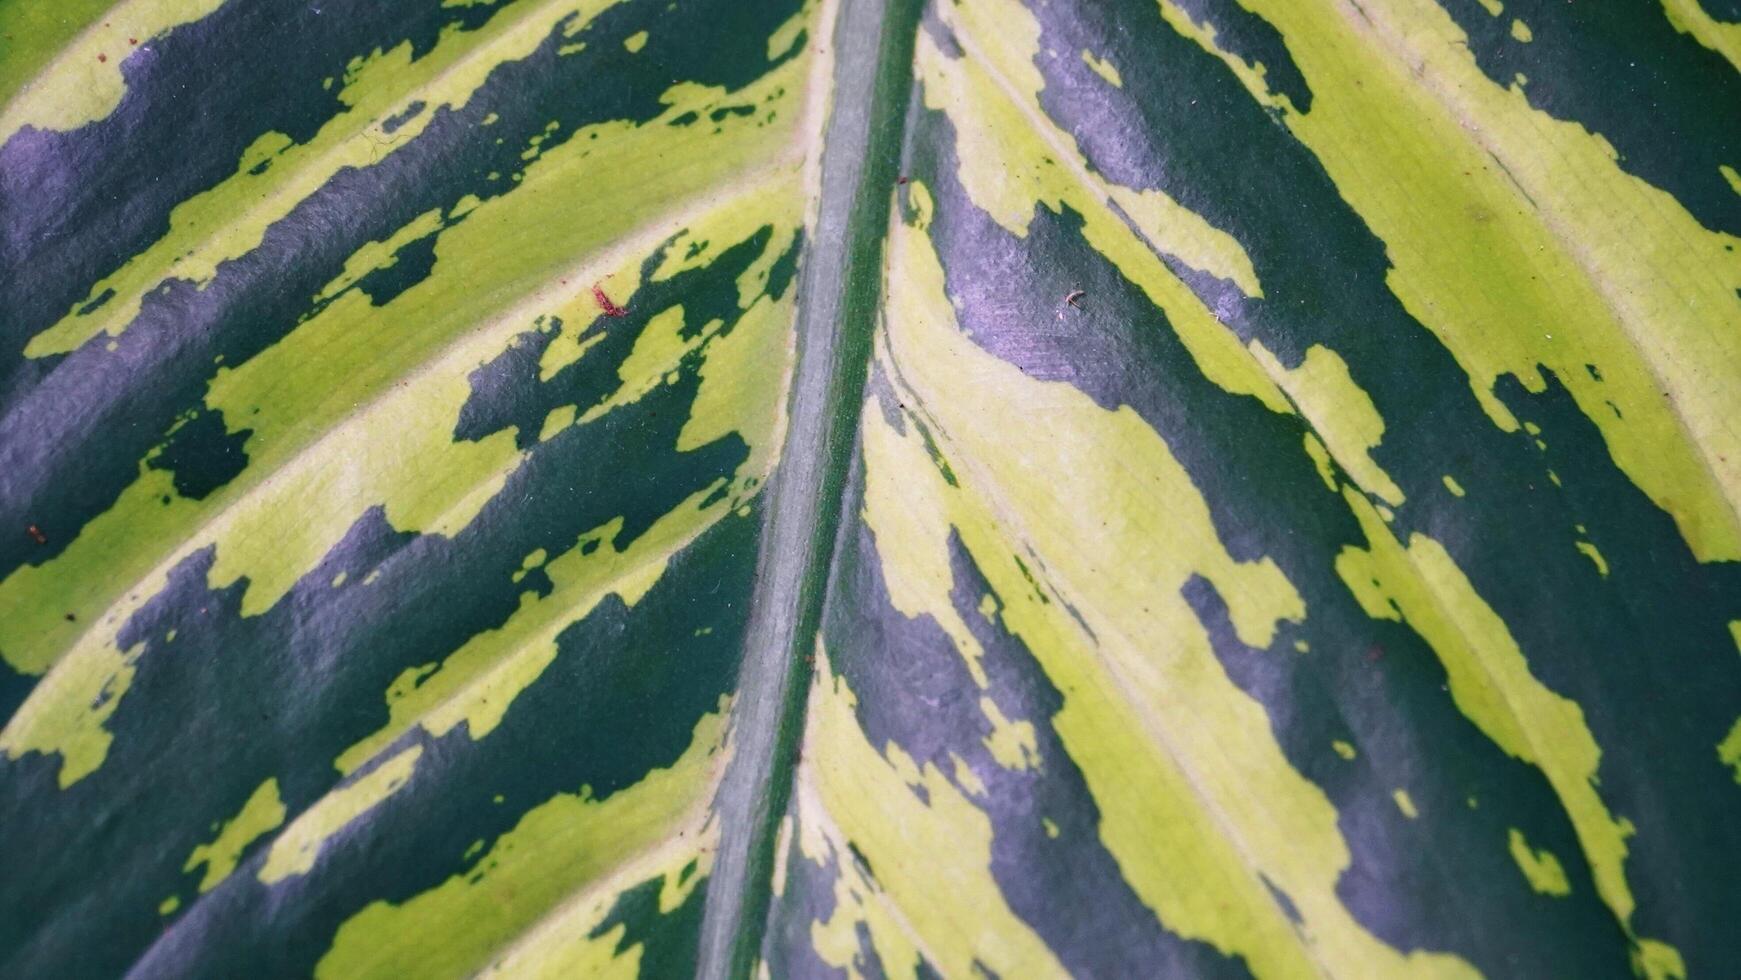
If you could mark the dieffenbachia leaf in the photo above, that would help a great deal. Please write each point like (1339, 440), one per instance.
(885, 487)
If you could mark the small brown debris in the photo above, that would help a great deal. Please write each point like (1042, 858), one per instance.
(901, 180)
(605, 304)
(71, 618)
(1075, 294)
(102, 57)
(36, 534)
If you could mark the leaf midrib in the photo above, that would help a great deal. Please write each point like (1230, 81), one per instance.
(867, 55)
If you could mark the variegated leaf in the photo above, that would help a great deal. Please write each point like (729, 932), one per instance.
(1007, 487)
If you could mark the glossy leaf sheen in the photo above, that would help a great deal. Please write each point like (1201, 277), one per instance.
(883, 487)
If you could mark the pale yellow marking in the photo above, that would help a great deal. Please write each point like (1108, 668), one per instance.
(911, 584)
(1520, 32)
(263, 812)
(1729, 750)
(1579, 262)
(1198, 803)
(1339, 410)
(65, 712)
(934, 889)
(1343, 749)
(77, 87)
(1657, 960)
(299, 846)
(1169, 226)
(1589, 551)
(402, 687)
(659, 345)
(1730, 175)
(635, 42)
(857, 901)
(966, 778)
(1689, 17)
(263, 149)
(1321, 461)
(1103, 68)
(1405, 803)
(1539, 867)
(560, 417)
(1452, 485)
(526, 906)
(1012, 743)
(1491, 683)
(1494, 7)
(788, 34)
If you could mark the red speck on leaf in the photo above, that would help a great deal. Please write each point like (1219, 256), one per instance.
(132, 40)
(36, 534)
(605, 304)
(102, 57)
(900, 180)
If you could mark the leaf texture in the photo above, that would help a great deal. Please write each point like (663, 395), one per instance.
(870, 487)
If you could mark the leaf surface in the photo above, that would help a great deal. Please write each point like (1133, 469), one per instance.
(571, 487)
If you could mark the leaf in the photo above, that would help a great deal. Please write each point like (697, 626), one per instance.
(568, 487)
